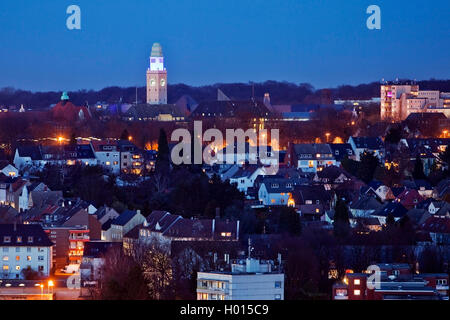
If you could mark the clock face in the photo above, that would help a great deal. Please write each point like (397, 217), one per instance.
(152, 82)
(163, 82)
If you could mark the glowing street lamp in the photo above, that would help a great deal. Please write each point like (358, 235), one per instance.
(50, 285)
(327, 135)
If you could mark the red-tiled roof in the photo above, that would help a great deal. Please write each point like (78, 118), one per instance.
(66, 110)
(436, 225)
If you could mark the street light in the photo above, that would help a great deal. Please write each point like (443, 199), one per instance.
(327, 135)
(50, 285)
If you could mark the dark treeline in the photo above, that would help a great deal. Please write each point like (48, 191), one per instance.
(280, 92)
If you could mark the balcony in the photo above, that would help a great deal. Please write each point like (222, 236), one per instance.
(79, 238)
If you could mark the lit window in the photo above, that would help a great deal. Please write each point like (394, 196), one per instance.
(28, 258)
(108, 163)
(5, 258)
(357, 282)
(19, 239)
(5, 267)
(17, 268)
(17, 258)
(357, 292)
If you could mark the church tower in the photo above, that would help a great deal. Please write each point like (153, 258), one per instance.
(157, 77)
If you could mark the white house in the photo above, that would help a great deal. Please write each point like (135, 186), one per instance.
(275, 192)
(107, 154)
(248, 279)
(8, 170)
(245, 177)
(370, 144)
(28, 156)
(310, 157)
(124, 223)
(22, 246)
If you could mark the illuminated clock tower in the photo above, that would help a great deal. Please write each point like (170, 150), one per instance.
(157, 77)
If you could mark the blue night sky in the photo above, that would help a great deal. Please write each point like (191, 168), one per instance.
(323, 42)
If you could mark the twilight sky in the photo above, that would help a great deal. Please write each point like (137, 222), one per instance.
(323, 42)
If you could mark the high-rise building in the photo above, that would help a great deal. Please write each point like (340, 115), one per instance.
(398, 101)
(156, 77)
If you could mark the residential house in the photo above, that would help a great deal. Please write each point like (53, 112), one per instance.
(379, 190)
(310, 157)
(92, 263)
(312, 195)
(248, 279)
(439, 229)
(245, 177)
(409, 198)
(8, 214)
(131, 158)
(396, 282)
(275, 191)
(8, 170)
(365, 206)
(342, 151)
(23, 246)
(331, 177)
(105, 213)
(168, 228)
(395, 209)
(28, 156)
(124, 223)
(107, 153)
(370, 144)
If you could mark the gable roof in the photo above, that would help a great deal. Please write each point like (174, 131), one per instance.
(8, 214)
(436, 225)
(277, 184)
(341, 150)
(331, 173)
(124, 218)
(311, 150)
(394, 208)
(152, 111)
(27, 232)
(372, 143)
(33, 152)
(366, 203)
(231, 109)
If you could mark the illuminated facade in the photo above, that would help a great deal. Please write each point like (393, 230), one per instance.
(156, 77)
(399, 101)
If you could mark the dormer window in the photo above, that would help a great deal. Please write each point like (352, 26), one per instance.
(19, 239)
(30, 239)
(7, 239)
